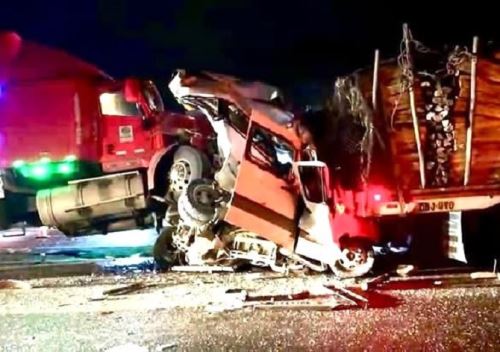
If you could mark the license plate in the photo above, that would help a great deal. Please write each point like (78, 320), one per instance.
(438, 206)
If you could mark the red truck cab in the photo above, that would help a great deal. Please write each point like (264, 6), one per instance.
(65, 122)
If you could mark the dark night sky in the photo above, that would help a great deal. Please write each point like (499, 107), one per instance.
(283, 42)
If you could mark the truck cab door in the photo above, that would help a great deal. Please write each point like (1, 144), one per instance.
(126, 143)
(265, 197)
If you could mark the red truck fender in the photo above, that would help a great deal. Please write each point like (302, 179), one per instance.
(155, 162)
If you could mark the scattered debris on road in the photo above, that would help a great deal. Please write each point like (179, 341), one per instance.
(405, 269)
(436, 280)
(129, 347)
(14, 284)
(315, 297)
(371, 284)
(126, 289)
(166, 347)
(349, 293)
(232, 299)
(315, 303)
(203, 268)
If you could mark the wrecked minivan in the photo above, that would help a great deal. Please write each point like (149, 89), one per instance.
(269, 202)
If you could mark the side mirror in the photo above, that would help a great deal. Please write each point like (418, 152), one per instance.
(132, 90)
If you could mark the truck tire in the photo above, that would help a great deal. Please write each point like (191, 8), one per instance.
(188, 164)
(358, 259)
(164, 253)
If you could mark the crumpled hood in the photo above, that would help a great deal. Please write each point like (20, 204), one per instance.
(202, 91)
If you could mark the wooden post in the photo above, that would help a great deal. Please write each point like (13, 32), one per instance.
(472, 107)
(375, 80)
(416, 126)
(374, 111)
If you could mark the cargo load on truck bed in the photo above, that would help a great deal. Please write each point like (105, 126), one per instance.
(424, 120)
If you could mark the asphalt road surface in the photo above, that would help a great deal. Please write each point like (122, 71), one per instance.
(232, 312)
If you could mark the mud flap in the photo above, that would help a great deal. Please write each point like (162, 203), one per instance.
(453, 237)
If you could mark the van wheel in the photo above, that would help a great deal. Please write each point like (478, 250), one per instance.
(357, 259)
(164, 252)
(197, 205)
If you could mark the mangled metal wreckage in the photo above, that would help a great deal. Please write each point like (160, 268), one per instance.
(395, 142)
(249, 208)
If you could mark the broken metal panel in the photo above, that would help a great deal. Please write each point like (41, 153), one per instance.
(251, 90)
(257, 251)
(207, 85)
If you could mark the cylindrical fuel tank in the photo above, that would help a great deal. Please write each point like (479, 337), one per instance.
(83, 203)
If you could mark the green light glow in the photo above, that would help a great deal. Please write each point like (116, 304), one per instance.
(45, 168)
(40, 171)
(65, 168)
(24, 171)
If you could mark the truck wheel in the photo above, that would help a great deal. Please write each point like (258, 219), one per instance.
(164, 253)
(357, 259)
(188, 164)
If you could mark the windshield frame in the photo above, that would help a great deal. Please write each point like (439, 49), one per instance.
(121, 106)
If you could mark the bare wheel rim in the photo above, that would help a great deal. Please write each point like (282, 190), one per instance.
(180, 174)
(354, 261)
(353, 257)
